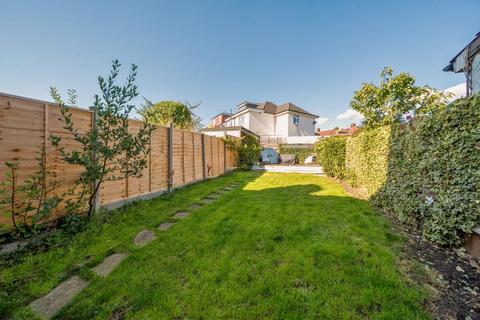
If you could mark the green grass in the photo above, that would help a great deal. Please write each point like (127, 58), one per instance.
(280, 246)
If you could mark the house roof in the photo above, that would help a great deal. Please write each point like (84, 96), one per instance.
(327, 133)
(339, 132)
(268, 107)
(272, 108)
(228, 114)
(288, 106)
(473, 46)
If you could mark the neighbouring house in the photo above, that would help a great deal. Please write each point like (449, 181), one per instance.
(468, 62)
(220, 119)
(338, 131)
(273, 123)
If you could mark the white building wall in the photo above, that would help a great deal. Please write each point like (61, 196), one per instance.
(304, 128)
(281, 125)
(265, 124)
(262, 124)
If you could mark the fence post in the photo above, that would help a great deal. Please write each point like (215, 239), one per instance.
(96, 199)
(45, 144)
(170, 158)
(203, 156)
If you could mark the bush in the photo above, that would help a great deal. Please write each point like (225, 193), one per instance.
(331, 154)
(436, 160)
(302, 152)
(247, 150)
(366, 159)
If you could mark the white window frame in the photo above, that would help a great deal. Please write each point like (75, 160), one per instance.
(296, 119)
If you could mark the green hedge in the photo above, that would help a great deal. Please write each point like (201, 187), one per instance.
(331, 154)
(438, 156)
(301, 152)
(366, 159)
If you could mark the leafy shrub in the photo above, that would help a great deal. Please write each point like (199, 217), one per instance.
(366, 159)
(110, 151)
(331, 154)
(437, 158)
(29, 202)
(301, 152)
(247, 151)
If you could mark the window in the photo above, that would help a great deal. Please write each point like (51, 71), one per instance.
(296, 119)
(240, 121)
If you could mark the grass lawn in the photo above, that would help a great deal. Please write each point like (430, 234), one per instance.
(280, 246)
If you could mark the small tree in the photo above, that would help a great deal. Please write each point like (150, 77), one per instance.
(393, 98)
(165, 112)
(110, 151)
(28, 203)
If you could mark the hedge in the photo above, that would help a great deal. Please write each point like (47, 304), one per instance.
(366, 159)
(301, 152)
(436, 158)
(331, 154)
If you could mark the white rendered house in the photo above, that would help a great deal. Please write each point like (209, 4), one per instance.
(269, 119)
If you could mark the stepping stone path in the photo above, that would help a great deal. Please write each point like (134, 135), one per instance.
(144, 237)
(195, 206)
(166, 225)
(181, 214)
(109, 264)
(207, 200)
(47, 306)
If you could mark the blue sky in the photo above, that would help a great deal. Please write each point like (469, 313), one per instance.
(312, 53)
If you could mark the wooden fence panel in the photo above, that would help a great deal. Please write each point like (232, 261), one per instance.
(215, 157)
(22, 132)
(208, 156)
(26, 124)
(138, 186)
(178, 174)
(198, 164)
(159, 159)
(68, 173)
(188, 157)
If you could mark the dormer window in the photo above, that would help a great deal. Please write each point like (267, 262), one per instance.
(296, 119)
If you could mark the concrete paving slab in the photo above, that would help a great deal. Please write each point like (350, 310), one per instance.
(48, 305)
(181, 214)
(166, 225)
(144, 237)
(109, 264)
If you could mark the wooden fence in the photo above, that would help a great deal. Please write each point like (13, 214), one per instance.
(25, 125)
